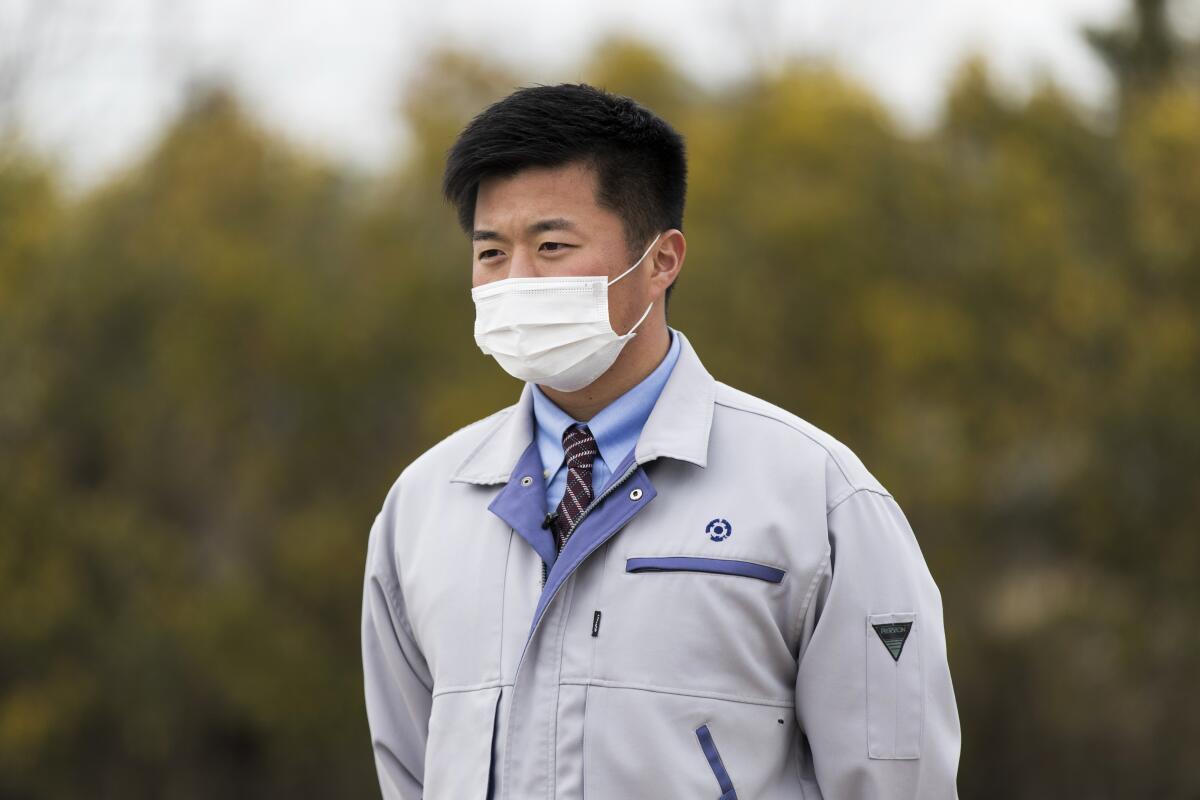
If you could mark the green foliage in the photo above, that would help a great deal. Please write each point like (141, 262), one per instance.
(216, 363)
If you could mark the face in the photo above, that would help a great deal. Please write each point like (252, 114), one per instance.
(544, 222)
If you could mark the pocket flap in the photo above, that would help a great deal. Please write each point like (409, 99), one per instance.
(458, 755)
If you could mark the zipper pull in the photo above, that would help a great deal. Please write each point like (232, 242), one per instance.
(549, 519)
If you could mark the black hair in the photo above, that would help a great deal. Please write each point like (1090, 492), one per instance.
(639, 159)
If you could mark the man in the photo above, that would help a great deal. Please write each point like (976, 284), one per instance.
(636, 581)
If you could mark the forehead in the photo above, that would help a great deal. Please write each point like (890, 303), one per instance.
(540, 192)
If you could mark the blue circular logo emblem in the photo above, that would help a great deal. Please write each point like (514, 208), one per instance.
(719, 530)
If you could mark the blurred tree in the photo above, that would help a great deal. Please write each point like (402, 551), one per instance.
(216, 363)
(1142, 54)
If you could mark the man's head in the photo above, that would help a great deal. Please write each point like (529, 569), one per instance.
(615, 171)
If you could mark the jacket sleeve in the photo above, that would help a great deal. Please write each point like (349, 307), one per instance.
(873, 692)
(397, 682)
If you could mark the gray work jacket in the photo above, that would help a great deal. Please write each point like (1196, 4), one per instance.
(743, 611)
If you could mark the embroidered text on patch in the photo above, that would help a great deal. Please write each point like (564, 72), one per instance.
(893, 635)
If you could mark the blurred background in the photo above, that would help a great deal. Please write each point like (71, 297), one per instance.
(962, 237)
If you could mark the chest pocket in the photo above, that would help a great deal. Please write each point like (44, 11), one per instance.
(693, 622)
(721, 566)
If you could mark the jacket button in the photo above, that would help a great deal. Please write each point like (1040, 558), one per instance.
(526, 480)
(636, 494)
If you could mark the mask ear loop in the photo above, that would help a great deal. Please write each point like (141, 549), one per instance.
(636, 263)
(645, 314)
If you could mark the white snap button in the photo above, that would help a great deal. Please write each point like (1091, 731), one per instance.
(636, 494)
(525, 481)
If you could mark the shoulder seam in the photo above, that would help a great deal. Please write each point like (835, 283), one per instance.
(853, 492)
(806, 434)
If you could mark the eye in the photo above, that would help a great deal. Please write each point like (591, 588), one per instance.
(488, 253)
(555, 246)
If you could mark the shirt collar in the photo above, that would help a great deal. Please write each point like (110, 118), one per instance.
(615, 427)
(677, 428)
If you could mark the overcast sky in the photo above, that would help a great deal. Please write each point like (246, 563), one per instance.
(100, 77)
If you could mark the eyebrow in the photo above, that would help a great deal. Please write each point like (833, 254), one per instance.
(541, 226)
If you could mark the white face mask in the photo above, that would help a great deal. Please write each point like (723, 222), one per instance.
(551, 331)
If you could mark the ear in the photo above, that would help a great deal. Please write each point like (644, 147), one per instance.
(667, 259)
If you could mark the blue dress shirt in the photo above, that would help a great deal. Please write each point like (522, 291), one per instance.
(616, 427)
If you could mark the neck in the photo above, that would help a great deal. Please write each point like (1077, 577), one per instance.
(640, 356)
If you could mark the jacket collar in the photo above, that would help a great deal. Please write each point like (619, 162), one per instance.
(677, 427)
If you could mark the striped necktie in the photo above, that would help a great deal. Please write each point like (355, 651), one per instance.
(579, 449)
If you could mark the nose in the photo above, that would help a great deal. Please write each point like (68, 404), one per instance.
(521, 265)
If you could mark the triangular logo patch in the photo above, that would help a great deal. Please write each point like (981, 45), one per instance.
(893, 635)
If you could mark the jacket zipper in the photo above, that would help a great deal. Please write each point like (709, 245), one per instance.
(632, 469)
(595, 501)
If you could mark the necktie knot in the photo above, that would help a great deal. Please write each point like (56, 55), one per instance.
(579, 448)
(579, 451)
